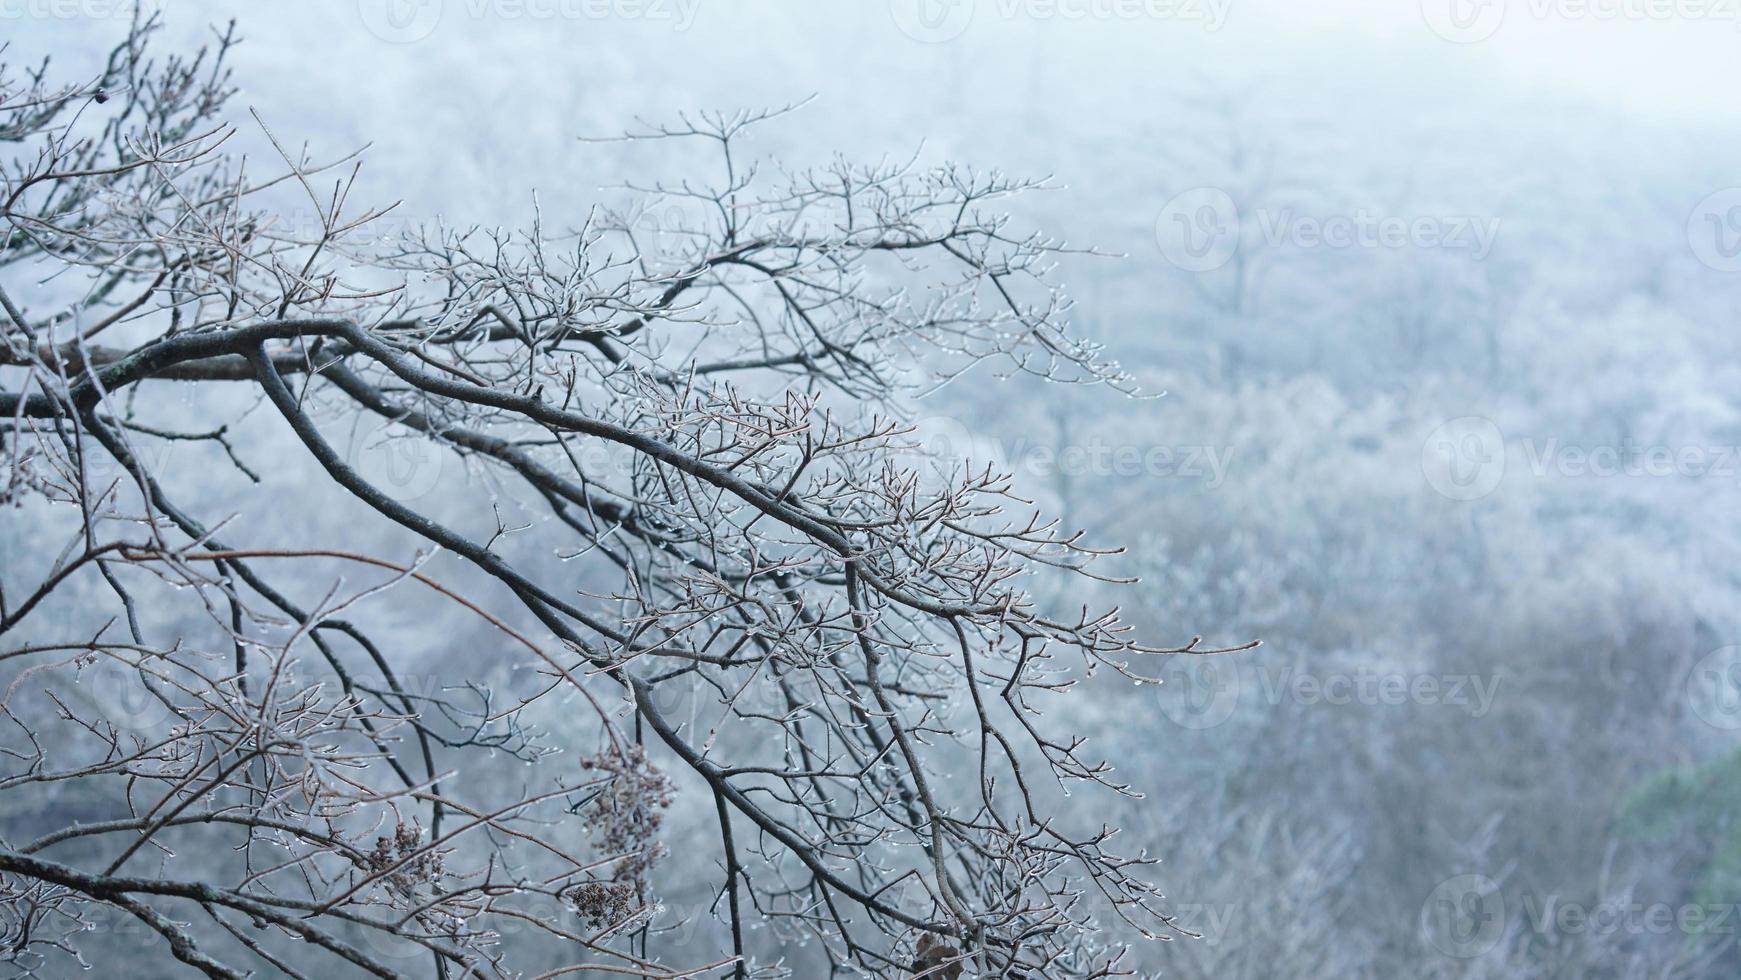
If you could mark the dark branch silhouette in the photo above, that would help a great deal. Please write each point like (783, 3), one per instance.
(817, 626)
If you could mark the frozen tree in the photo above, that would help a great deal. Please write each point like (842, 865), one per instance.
(709, 418)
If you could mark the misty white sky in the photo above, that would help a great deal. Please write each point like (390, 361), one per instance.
(492, 92)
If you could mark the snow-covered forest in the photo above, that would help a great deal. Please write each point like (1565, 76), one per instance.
(746, 337)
